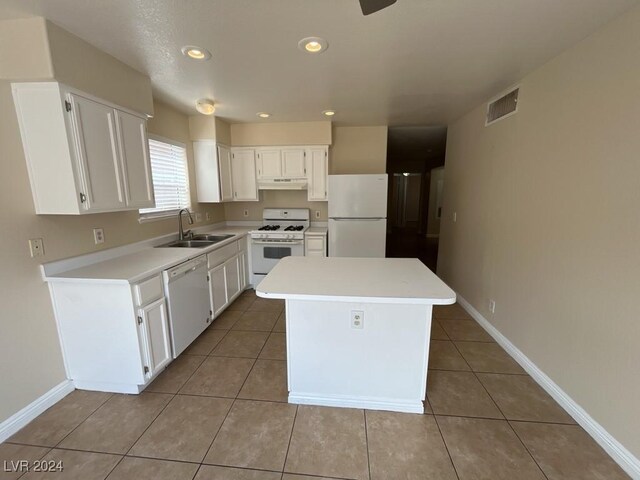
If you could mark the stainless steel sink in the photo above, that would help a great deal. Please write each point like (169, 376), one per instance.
(211, 238)
(188, 244)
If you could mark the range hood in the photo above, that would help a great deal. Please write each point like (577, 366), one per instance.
(283, 184)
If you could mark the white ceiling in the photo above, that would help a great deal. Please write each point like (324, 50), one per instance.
(418, 62)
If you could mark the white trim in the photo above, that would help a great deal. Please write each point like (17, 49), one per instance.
(391, 405)
(18, 420)
(623, 457)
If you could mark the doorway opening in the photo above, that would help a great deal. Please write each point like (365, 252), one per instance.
(415, 165)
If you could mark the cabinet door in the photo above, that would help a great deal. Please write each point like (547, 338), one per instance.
(269, 163)
(154, 329)
(244, 270)
(317, 171)
(293, 163)
(315, 246)
(243, 175)
(136, 165)
(232, 277)
(224, 164)
(97, 149)
(218, 289)
(207, 171)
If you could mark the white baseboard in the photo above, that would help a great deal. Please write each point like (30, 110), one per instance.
(18, 420)
(357, 402)
(623, 457)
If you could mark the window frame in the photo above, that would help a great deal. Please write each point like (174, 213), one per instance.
(165, 214)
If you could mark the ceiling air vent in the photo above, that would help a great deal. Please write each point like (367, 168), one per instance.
(503, 107)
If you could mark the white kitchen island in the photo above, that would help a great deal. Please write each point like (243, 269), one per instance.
(358, 329)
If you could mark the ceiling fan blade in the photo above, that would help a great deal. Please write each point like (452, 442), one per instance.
(371, 6)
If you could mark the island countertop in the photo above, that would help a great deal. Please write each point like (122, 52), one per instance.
(373, 280)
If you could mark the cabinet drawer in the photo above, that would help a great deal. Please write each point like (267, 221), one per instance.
(148, 290)
(220, 255)
(315, 243)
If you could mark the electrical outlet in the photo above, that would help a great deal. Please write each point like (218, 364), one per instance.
(207, 215)
(317, 213)
(246, 212)
(198, 217)
(455, 217)
(357, 319)
(492, 306)
(98, 236)
(36, 246)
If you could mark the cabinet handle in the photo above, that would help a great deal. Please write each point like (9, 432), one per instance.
(83, 198)
(139, 320)
(146, 369)
(235, 194)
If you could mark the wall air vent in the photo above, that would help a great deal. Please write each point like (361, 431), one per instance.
(503, 107)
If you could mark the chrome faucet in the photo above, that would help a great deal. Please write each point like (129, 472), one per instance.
(181, 233)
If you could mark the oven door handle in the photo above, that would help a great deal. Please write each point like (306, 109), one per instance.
(277, 243)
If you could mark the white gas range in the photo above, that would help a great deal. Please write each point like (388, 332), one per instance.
(281, 235)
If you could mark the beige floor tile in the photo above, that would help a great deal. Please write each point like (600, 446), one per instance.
(521, 398)
(226, 320)
(428, 410)
(77, 466)
(293, 476)
(206, 342)
(567, 452)
(437, 332)
(240, 343)
(267, 381)
(328, 442)
(219, 377)
(260, 321)
(11, 454)
(450, 311)
(117, 424)
(281, 324)
(184, 430)
(254, 435)
(176, 374)
(250, 292)
(132, 468)
(209, 472)
(487, 449)
(459, 393)
(266, 305)
(276, 347)
(443, 355)
(241, 303)
(468, 330)
(57, 422)
(406, 446)
(488, 357)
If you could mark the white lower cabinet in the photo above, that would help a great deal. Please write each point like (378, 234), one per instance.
(153, 325)
(315, 243)
(228, 274)
(218, 289)
(232, 276)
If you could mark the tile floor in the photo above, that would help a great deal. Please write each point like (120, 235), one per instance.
(219, 412)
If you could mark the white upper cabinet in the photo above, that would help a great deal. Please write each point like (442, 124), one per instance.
(243, 175)
(134, 145)
(213, 172)
(84, 155)
(269, 163)
(293, 163)
(317, 172)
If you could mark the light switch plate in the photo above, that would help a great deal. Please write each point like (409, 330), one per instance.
(98, 236)
(317, 213)
(357, 319)
(246, 212)
(36, 247)
(207, 215)
(198, 217)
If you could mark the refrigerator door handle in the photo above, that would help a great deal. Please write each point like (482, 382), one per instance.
(347, 219)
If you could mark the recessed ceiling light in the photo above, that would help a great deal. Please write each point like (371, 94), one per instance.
(263, 114)
(196, 53)
(329, 113)
(313, 45)
(205, 106)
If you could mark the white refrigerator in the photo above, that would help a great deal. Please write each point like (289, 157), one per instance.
(357, 215)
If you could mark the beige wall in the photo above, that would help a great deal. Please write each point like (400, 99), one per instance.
(275, 199)
(289, 133)
(359, 150)
(202, 127)
(30, 34)
(548, 225)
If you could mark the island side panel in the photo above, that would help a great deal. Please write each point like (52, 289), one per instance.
(382, 365)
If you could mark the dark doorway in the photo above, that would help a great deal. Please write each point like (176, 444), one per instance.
(415, 164)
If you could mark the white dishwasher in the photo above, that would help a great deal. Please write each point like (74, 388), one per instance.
(187, 292)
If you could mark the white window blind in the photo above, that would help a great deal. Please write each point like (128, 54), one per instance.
(170, 178)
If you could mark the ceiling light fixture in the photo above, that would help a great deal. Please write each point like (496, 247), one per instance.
(205, 106)
(263, 114)
(313, 45)
(329, 113)
(196, 53)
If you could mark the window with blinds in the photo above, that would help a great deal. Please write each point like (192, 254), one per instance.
(170, 178)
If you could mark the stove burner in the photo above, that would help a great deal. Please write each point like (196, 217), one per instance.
(269, 228)
(294, 228)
